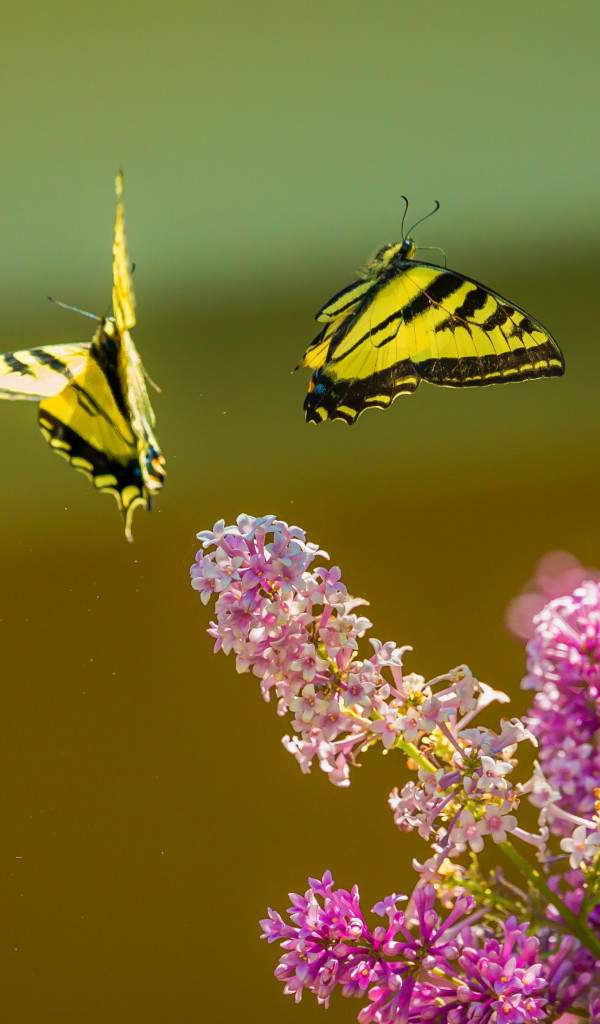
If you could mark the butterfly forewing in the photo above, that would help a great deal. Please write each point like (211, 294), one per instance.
(37, 373)
(123, 297)
(342, 303)
(475, 336)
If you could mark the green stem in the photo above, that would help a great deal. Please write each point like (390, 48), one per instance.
(411, 751)
(577, 927)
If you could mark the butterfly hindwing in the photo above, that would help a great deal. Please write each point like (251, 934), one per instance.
(141, 415)
(359, 360)
(409, 321)
(88, 424)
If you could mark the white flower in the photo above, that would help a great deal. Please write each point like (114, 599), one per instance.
(580, 846)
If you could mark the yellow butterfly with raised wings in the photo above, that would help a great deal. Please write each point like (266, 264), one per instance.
(405, 321)
(94, 407)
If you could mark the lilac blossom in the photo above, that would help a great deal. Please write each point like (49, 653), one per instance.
(466, 946)
(582, 845)
(416, 966)
(464, 794)
(556, 574)
(563, 667)
(295, 626)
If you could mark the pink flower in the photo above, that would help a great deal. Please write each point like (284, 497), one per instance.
(293, 625)
(469, 830)
(581, 846)
(557, 573)
(497, 822)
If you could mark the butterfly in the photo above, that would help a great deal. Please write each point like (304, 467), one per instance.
(94, 408)
(406, 320)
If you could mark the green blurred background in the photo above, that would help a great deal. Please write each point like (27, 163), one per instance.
(149, 812)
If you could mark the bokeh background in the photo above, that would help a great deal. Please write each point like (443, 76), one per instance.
(149, 813)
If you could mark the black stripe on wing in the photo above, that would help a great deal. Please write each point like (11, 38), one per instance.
(479, 371)
(341, 303)
(16, 365)
(105, 350)
(45, 358)
(476, 298)
(442, 287)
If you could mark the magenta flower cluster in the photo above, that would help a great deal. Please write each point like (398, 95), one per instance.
(416, 966)
(463, 948)
(563, 667)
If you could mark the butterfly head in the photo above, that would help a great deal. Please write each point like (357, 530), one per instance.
(107, 336)
(388, 257)
(405, 249)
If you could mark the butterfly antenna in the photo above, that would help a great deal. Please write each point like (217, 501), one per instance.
(75, 309)
(404, 214)
(426, 217)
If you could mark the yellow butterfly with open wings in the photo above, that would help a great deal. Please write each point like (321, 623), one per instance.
(406, 320)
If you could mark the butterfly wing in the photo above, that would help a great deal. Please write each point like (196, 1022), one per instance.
(475, 336)
(87, 423)
(342, 303)
(422, 322)
(123, 297)
(358, 358)
(141, 414)
(130, 368)
(37, 373)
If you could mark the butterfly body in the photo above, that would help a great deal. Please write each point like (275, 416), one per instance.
(405, 321)
(94, 407)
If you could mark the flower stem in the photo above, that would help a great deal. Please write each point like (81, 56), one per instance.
(411, 751)
(577, 927)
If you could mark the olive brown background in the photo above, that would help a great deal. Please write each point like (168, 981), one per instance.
(149, 813)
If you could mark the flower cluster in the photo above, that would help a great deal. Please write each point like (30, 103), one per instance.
(463, 794)
(563, 667)
(556, 575)
(496, 952)
(416, 966)
(294, 626)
